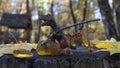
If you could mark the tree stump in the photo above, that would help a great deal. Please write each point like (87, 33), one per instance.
(77, 60)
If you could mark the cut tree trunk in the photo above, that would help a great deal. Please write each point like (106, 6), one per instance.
(107, 18)
(77, 60)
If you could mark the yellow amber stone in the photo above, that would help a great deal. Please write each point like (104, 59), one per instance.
(51, 48)
(22, 53)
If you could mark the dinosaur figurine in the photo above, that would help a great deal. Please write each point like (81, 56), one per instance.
(50, 21)
(56, 43)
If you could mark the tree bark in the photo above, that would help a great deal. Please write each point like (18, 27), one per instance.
(107, 18)
(29, 25)
(72, 13)
(84, 10)
(51, 8)
(84, 14)
(116, 6)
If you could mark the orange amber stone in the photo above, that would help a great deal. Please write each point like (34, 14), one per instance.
(63, 43)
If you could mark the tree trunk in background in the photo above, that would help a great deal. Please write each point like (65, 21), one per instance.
(72, 13)
(84, 14)
(116, 6)
(107, 18)
(29, 27)
(84, 10)
(51, 8)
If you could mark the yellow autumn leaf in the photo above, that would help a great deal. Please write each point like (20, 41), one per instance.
(105, 44)
(9, 48)
(113, 50)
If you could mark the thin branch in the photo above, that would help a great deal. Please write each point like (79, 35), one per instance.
(83, 22)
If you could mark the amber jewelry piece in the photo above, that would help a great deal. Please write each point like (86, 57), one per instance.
(50, 48)
(74, 37)
(22, 53)
(63, 43)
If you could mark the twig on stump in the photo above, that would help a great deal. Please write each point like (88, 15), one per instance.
(83, 22)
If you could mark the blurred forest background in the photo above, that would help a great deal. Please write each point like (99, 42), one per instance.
(65, 12)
